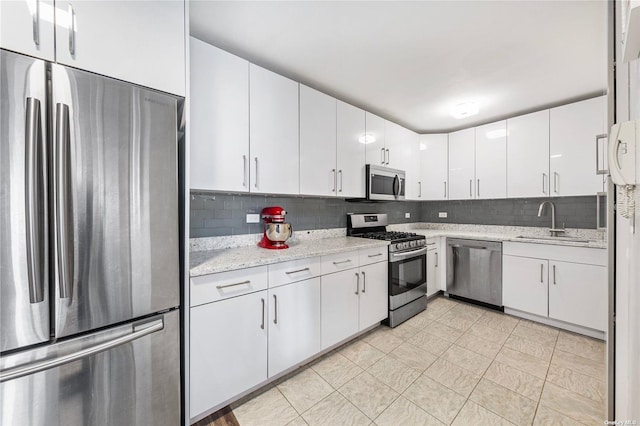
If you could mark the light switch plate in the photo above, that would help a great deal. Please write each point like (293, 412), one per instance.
(442, 214)
(407, 215)
(253, 218)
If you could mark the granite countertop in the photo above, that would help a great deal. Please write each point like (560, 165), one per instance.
(213, 261)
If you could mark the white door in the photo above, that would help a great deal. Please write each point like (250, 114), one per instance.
(219, 119)
(350, 151)
(491, 160)
(26, 27)
(339, 306)
(220, 333)
(578, 294)
(434, 166)
(375, 140)
(374, 294)
(574, 143)
(273, 132)
(462, 164)
(433, 284)
(524, 284)
(142, 42)
(294, 324)
(528, 155)
(318, 173)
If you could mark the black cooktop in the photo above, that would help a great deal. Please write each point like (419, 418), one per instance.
(393, 236)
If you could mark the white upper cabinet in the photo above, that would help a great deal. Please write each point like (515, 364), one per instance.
(401, 152)
(318, 173)
(528, 155)
(462, 164)
(375, 140)
(219, 119)
(434, 166)
(27, 27)
(576, 132)
(142, 42)
(351, 151)
(273, 132)
(491, 160)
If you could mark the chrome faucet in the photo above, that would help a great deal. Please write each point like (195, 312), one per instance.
(553, 230)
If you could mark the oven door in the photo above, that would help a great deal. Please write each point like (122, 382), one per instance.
(384, 183)
(407, 277)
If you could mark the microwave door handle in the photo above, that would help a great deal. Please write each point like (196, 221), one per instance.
(396, 186)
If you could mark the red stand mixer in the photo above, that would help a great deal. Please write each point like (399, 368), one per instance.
(276, 230)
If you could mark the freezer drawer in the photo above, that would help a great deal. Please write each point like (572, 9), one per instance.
(134, 380)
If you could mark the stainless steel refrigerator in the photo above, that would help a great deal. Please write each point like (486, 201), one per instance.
(89, 249)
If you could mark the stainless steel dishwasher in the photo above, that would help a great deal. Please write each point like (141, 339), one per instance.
(474, 270)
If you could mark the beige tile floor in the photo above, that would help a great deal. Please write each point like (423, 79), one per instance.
(455, 364)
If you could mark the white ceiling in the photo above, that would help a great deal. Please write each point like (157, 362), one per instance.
(411, 61)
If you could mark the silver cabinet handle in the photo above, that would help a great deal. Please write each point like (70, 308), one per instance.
(470, 188)
(72, 31)
(64, 202)
(275, 309)
(388, 157)
(47, 364)
(554, 274)
(221, 286)
(342, 261)
(544, 185)
(445, 189)
(34, 203)
(262, 325)
(375, 255)
(419, 189)
(364, 282)
(340, 173)
(256, 185)
(542, 273)
(478, 188)
(333, 179)
(555, 182)
(35, 16)
(244, 170)
(295, 272)
(382, 156)
(357, 283)
(436, 253)
(604, 170)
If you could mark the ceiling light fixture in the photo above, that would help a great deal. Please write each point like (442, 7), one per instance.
(367, 138)
(495, 134)
(464, 110)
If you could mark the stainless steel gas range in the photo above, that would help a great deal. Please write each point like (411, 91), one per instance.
(407, 264)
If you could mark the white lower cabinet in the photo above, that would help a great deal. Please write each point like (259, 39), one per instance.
(228, 348)
(524, 284)
(294, 324)
(374, 294)
(433, 274)
(339, 306)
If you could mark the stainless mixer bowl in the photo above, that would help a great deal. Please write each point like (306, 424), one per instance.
(278, 232)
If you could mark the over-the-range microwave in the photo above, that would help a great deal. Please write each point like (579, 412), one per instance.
(384, 184)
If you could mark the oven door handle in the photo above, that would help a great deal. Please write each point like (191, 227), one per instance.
(396, 257)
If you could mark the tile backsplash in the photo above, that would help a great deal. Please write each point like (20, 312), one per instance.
(218, 214)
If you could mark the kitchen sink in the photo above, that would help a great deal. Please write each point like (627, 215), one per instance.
(568, 239)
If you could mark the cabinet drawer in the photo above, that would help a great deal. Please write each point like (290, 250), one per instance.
(586, 255)
(209, 288)
(339, 262)
(295, 270)
(433, 242)
(373, 255)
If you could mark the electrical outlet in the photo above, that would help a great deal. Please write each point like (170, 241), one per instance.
(253, 218)
(442, 214)
(407, 215)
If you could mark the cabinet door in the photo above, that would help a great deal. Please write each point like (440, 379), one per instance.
(294, 324)
(339, 306)
(524, 284)
(491, 160)
(318, 173)
(228, 349)
(433, 166)
(273, 132)
(374, 294)
(573, 146)
(462, 164)
(578, 294)
(351, 151)
(142, 42)
(528, 155)
(433, 284)
(408, 155)
(375, 140)
(26, 26)
(219, 119)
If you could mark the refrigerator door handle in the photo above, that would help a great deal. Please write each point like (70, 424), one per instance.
(64, 202)
(34, 202)
(47, 364)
